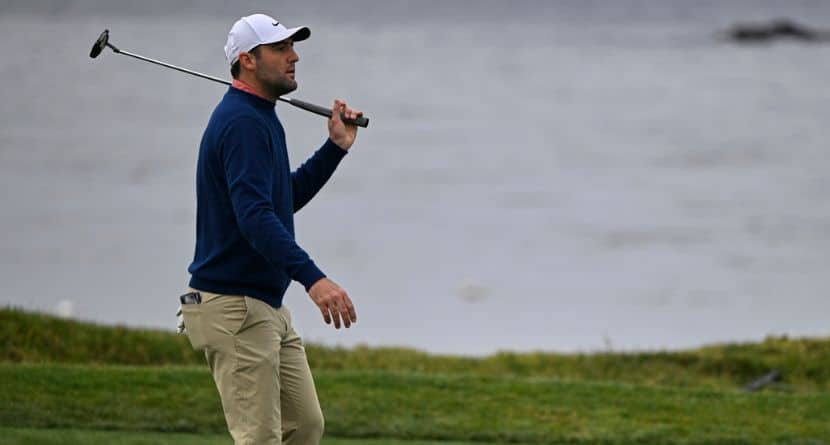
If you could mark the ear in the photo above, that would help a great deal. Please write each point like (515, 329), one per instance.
(247, 61)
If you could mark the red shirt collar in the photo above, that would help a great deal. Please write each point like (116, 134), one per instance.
(240, 85)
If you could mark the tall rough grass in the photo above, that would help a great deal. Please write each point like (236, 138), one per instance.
(805, 362)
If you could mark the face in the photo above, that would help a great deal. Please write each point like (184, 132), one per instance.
(275, 67)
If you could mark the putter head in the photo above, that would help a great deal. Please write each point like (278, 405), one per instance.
(100, 44)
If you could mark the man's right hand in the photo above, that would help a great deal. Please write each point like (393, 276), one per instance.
(333, 302)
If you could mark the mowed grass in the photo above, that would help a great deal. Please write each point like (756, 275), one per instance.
(417, 406)
(22, 436)
(63, 381)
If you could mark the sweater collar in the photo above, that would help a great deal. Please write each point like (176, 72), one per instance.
(240, 85)
(246, 90)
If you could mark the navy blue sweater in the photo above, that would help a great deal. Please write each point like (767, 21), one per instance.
(246, 196)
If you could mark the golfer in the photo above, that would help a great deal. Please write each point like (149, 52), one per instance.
(246, 253)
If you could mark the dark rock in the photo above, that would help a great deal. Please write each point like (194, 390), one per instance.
(777, 29)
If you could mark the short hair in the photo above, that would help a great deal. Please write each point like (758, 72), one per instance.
(235, 66)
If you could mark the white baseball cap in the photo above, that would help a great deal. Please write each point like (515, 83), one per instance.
(259, 29)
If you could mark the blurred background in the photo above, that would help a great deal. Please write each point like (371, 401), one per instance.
(537, 175)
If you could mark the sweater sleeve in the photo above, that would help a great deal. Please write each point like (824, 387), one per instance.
(248, 161)
(313, 174)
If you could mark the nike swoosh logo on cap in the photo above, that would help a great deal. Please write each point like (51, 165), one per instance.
(276, 23)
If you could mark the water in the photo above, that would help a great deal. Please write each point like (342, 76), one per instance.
(539, 175)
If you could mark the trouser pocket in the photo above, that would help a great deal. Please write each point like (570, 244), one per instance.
(192, 314)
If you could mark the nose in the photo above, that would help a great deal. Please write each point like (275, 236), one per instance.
(294, 57)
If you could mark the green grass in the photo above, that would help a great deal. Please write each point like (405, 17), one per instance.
(21, 436)
(402, 405)
(69, 382)
(805, 363)
(32, 337)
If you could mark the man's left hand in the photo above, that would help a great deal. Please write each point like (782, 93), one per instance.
(341, 133)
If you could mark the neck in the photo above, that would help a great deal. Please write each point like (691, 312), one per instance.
(254, 88)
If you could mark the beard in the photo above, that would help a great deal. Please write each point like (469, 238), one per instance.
(278, 86)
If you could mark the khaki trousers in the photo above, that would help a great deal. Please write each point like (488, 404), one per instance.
(260, 368)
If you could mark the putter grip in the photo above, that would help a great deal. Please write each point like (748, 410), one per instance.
(323, 111)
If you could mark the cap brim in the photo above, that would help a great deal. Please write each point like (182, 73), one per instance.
(295, 34)
(299, 34)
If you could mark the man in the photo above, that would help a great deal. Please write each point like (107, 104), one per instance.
(246, 254)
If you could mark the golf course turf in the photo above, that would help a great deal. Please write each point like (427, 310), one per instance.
(69, 382)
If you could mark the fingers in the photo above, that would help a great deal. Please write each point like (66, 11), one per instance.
(352, 314)
(335, 313)
(344, 314)
(337, 110)
(334, 303)
(331, 313)
(326, 315)
(343, 111)
(340, 312)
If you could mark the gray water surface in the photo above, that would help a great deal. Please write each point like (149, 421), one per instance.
(551, 176)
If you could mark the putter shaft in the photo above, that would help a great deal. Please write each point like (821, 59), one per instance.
(169, 65)
(103, 40)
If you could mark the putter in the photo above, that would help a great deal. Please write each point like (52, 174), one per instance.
(103, 42)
